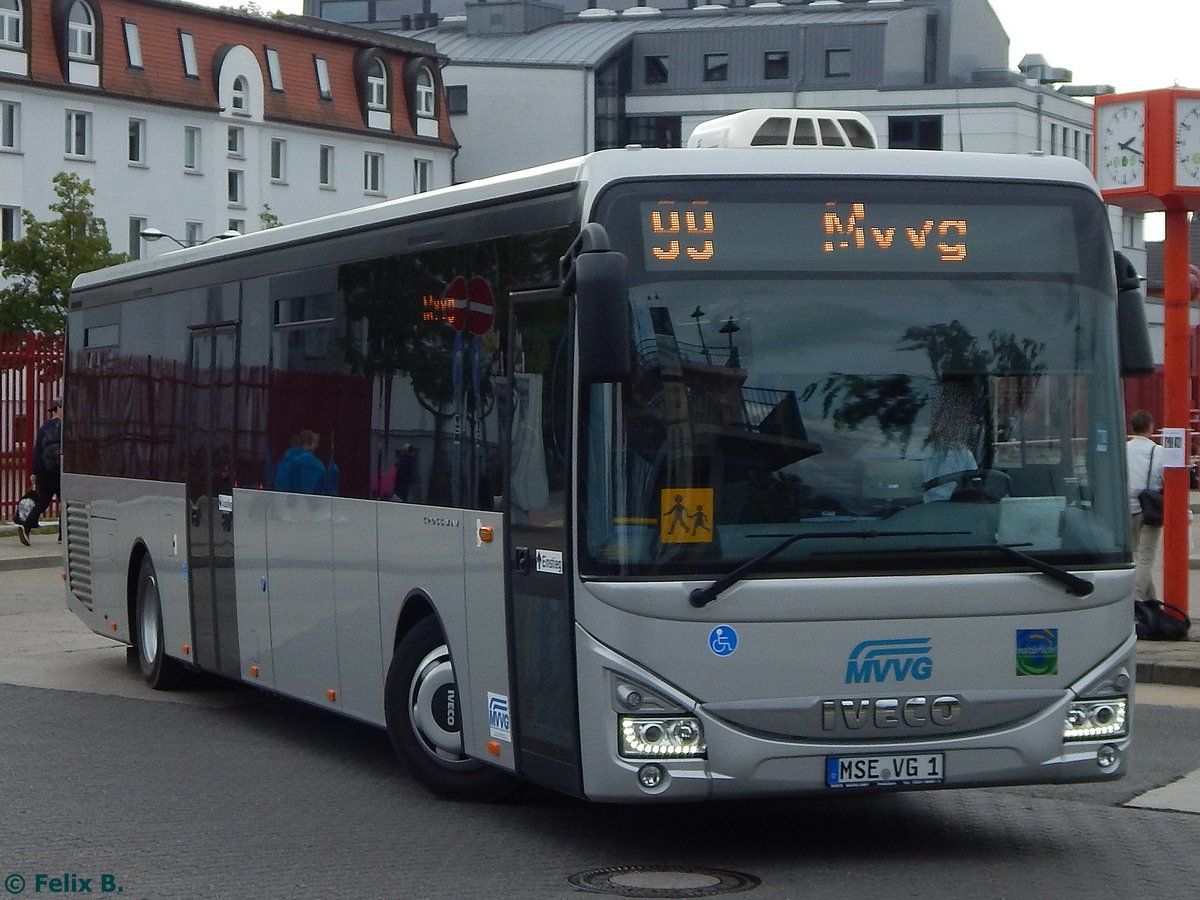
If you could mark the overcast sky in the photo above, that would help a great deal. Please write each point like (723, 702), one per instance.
(1131, 44)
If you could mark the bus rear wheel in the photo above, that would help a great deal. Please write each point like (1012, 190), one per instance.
(424, 723)
(160, 671)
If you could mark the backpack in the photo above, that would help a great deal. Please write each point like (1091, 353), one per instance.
(52, 446)
(1158, 621)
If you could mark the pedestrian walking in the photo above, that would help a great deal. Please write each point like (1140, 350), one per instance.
(1144, 463)
(47, 470)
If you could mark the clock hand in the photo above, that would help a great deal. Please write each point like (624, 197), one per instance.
(1127, 145)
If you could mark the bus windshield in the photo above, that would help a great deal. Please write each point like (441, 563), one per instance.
(906, 374)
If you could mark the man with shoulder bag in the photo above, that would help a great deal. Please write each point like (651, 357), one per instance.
(1144, 461)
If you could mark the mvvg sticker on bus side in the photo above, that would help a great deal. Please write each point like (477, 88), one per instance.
(499, 720)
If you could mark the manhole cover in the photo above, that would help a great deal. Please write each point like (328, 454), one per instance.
(663, 881)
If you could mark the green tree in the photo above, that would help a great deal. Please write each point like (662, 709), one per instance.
(268, 218)
(255, 9)
(41, 265)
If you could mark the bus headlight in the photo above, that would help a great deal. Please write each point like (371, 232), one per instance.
(662, 737)
(1088, 720)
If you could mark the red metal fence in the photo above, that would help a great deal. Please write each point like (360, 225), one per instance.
(31, 367)
(1146, 392)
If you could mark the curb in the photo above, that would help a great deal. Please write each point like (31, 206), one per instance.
(1168, 673)
(36, 561)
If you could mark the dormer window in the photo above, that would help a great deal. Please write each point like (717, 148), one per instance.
(373, 81)
(425, 93)
(10, 23)
(422, 99)
(81, 33)
(238, 96)
(239, 82)
(377, 86)
(77, 31)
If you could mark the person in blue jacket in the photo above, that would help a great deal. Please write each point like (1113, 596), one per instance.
(307, 472)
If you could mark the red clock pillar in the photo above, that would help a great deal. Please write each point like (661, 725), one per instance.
(1147, 159)
(1176, 405)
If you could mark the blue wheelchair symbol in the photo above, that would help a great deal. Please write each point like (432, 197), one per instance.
(722, 640)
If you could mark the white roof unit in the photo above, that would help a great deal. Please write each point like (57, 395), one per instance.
(786, 128)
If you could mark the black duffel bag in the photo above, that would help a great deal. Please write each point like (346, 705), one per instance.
(1158, 621)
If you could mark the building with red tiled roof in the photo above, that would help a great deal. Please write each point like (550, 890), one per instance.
(196, 121)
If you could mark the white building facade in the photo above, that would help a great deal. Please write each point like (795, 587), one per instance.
(198, 122)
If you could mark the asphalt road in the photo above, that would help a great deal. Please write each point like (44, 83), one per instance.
(233, 793)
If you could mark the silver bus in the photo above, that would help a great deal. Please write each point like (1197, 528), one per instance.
(651, 475)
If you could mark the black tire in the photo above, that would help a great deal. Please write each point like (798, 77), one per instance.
(160, 671)
(420, 702)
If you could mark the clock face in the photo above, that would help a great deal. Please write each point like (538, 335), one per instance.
(1120, 154)
(1187, 142)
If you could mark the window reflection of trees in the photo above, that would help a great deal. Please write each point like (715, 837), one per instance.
(895, 401)
(397, 328)
(389, 296)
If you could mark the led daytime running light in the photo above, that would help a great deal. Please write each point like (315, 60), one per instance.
(661, 738)
(1088, 720)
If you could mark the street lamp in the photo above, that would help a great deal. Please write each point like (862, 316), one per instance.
(698, 314)
(731, 328)
(154, 234)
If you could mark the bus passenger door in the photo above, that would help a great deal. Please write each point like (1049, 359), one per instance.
(541, 618)
(210, 465)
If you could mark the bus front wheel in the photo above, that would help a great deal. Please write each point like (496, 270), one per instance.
(160, 671)
(424, 720)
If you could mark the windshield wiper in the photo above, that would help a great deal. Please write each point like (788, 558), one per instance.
(1075, 585)
(703, 596)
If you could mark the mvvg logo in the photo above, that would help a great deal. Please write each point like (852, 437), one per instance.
(499, 723)
(895, 659)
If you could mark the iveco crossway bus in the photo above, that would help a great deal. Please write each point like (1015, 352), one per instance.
(651, 475)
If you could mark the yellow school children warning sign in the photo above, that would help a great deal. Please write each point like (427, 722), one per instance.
(685, 516)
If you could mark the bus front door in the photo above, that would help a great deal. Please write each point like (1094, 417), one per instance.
(214, 394)
(541, 617)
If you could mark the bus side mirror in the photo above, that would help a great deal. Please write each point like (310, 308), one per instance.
(1133, 334)
(602, 314)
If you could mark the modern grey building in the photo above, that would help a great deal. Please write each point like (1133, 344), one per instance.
(530, 81)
